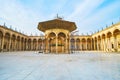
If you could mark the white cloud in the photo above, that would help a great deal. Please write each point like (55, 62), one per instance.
(83, 9)
(17, 15)
(100, 18)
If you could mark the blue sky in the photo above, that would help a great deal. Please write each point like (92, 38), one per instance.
(89, 15)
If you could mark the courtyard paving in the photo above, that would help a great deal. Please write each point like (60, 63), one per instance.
(77, 66)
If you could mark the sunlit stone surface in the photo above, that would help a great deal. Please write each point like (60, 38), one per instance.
(77, 66)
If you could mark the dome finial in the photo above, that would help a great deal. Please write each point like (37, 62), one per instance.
(57, 17)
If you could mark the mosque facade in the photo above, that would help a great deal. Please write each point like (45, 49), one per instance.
(58, 39)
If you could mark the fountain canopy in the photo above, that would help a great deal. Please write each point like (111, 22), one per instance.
(58, 23)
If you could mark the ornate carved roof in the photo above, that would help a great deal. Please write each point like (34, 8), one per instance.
(56, 24)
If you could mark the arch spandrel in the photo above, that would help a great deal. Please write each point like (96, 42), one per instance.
(103, 36)
(109, 34)
(77, 39)
(116, 32)
(13, 37)
(61, 34)
(88, 39)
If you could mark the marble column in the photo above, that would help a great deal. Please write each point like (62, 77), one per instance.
(91, 45)
(97, 45)
(115, 43)
(75, 45)
(20, 45)
(56, 44)
(66, 45)
(94, 45)
(69, 45)
(86, 45)
(106, 41)
(10, 44)
(3, 43)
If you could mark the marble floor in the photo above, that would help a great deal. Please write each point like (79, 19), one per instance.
(76, 66)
